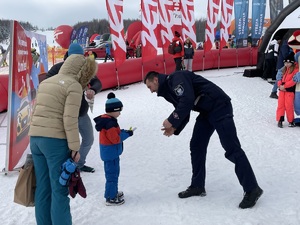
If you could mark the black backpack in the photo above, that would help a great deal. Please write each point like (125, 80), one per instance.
(173, 49)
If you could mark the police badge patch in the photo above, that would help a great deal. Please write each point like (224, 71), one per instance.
(179, 90)
(175, 116)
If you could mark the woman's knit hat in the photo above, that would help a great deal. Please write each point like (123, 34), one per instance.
(290, 58)
(113, 104)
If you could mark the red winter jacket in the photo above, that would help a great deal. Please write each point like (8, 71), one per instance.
(178, 40)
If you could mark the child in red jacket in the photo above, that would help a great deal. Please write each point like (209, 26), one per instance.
(286, 92)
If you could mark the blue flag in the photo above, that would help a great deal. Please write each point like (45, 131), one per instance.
(241, 22)
(258, 17)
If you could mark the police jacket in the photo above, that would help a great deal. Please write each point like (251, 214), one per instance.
(95, 84)
(188, 91)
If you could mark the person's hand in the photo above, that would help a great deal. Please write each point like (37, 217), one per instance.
(90, 93)
(167, 124)
(168, 131)
(281, 88)
(130, 132)
(75, 155)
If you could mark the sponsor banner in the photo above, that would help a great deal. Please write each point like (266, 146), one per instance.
(275, 8)
(211, 23)
(177, 16)
(150, 29)
(115, 14)
(241, 22)
(188, 21)
(80, 36)
(29, 59)
(226, 13)
(165, 15)
(258, 17)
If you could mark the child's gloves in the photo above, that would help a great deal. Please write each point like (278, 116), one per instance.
(130, 132)
(67, 168)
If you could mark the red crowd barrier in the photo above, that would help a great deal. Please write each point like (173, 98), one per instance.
(3, 92)
(133, 70)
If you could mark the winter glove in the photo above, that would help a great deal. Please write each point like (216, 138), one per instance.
(67, 168)
(130, 132)
(76, 185)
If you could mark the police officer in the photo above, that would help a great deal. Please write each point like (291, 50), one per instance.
(188, 91)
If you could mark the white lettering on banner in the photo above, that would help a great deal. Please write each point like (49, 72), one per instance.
(149, 24)
(117, 26)
(225, 20)
(188, 19)
(165, 19)
(22, 66)
(176, 12)
(211, 21)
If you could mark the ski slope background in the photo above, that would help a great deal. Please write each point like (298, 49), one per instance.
(154, 168)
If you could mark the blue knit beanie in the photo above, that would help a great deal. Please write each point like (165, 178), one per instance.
(75, 48)
(113, 104)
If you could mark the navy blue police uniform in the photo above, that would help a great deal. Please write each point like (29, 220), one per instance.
(188, 91)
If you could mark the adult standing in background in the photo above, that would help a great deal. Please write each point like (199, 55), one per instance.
(54, 136)
(271, 57)
(188, 55)
(178, 56)
(84, 122)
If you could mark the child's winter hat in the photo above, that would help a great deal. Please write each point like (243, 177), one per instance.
(290, 58)
(113, 104)
(75, 48)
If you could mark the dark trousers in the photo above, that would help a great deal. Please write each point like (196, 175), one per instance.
(270, 69)
(224, 125)
(107, 56)
(178, 63)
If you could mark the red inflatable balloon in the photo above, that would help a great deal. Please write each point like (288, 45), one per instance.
(62, 35)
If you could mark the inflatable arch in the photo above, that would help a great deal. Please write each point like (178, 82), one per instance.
(286, 23)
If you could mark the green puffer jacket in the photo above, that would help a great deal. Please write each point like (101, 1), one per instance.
(58, 101)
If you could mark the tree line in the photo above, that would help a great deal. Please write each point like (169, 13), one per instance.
(99, 26)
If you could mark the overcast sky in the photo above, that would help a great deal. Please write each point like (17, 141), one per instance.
(53, 13)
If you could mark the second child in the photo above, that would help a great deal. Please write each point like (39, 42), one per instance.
(286, 92)
(111, 139)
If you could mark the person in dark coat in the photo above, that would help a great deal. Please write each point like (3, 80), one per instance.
(188, 55)
(84, 121)
(188, 91)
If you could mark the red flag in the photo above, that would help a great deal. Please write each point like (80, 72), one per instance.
(115, 14)
(211, 24)
(165, 13)
(188, 21)
(226, 9)
(150, 32)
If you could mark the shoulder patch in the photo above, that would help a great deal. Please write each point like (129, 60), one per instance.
(179, 90)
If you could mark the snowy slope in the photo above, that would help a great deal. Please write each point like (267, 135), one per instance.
(154, 168)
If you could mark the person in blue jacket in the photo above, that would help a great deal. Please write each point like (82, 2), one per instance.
(107, 53)
(188, 91)
(111, 139)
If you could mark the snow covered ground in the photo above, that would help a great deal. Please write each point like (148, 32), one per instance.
(154, 168)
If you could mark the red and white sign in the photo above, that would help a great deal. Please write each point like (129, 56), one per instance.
(115, 14)
(188, 21)
(226, 9)
(150, 33)
(165, 14)
(211, 24)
